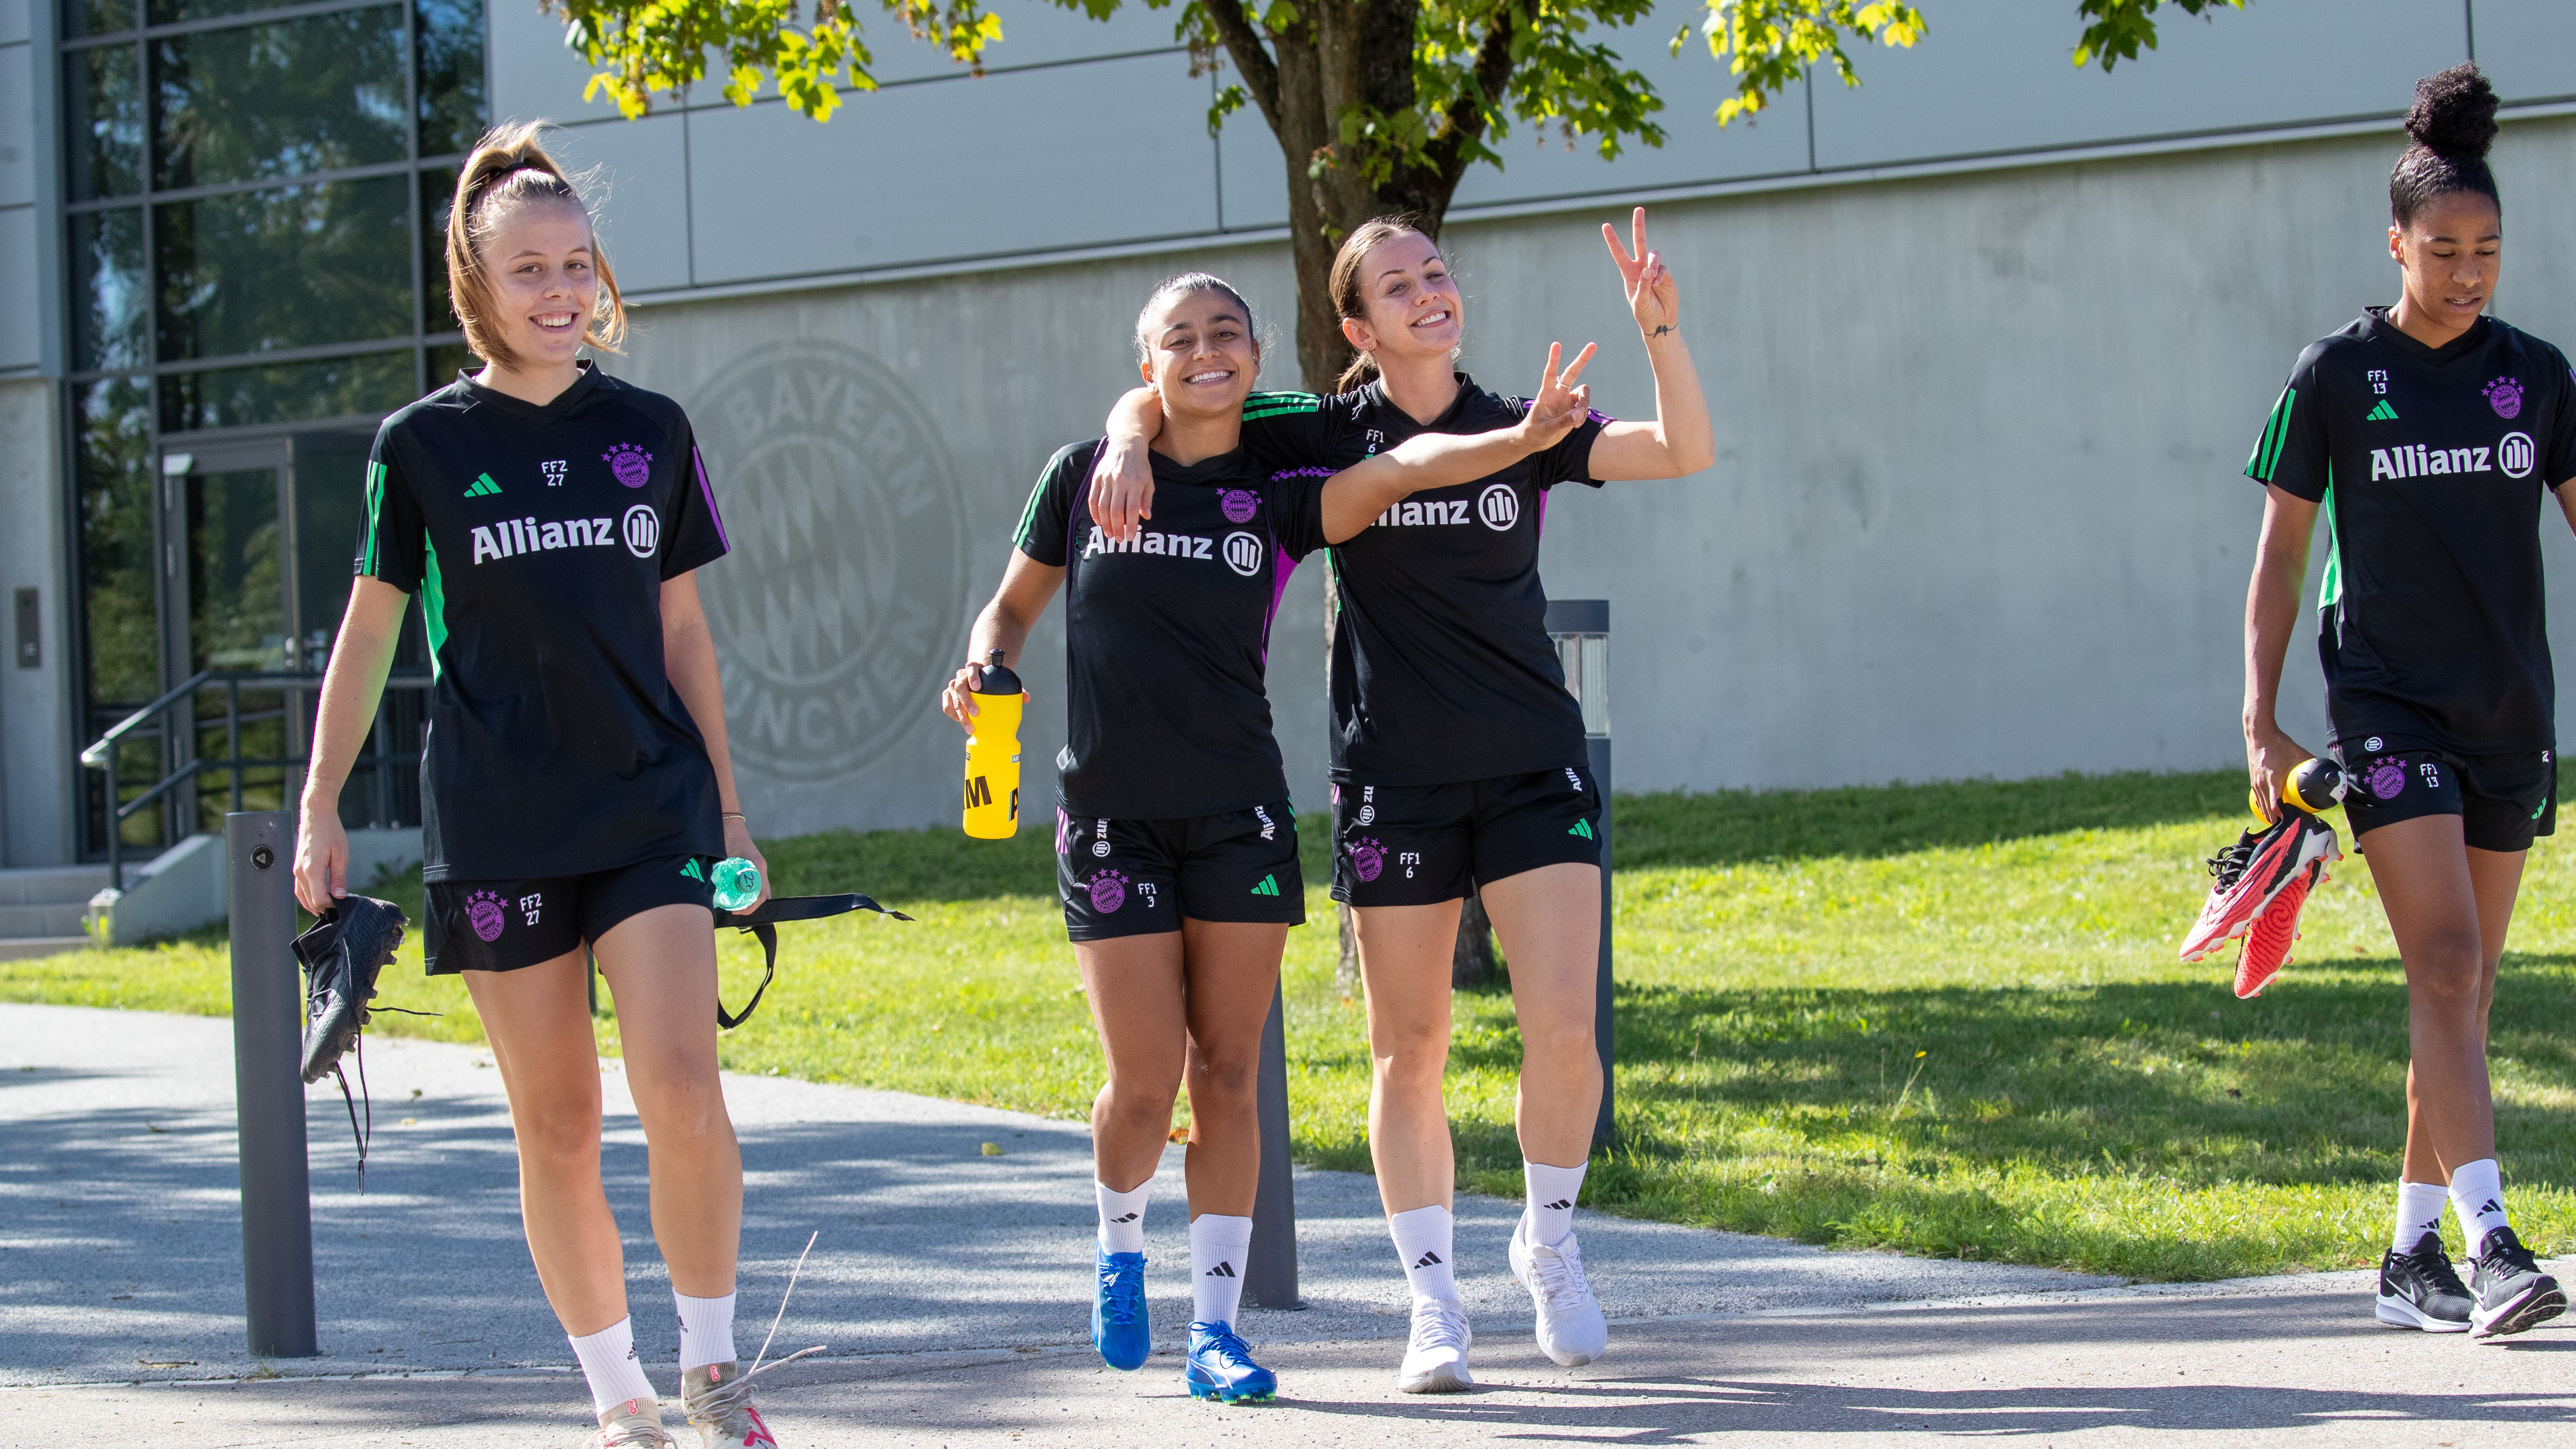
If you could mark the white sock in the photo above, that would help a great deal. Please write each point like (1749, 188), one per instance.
(1122, 1216)
(1422, 1243)
(706, 1330)
(608, 1361)
(2477, 1195)
(2419, 1211)
(1217, 1248)
(1549, 1215)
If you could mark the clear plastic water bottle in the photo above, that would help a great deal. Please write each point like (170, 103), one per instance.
(737, 883)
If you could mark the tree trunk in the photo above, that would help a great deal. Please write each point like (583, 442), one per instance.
(1338, 56)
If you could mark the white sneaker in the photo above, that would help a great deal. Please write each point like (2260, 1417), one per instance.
(1570, 1328)
(635, 1424)
(1435, 1362)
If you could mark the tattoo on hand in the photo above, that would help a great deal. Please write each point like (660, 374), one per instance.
(1661, 330)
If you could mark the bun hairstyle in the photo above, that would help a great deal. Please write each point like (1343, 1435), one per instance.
(2453, 122)
(1350, 289)
(1181, 286)
(506, 170)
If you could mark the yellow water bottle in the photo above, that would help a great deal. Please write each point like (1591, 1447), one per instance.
(2315, 787)
(993, 753)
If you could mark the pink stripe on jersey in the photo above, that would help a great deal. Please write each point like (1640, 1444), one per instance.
(709, 494)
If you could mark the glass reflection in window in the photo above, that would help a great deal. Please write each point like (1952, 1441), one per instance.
(103, 121)
(295, 266)
(317, 94)
(338, 387)
(451, 75)
(112, 308)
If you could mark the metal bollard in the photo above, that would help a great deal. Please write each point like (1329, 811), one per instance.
(1270, 1268)
(268, 1093)
(1581, 629)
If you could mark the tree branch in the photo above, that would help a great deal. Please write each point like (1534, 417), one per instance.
(1243, 45)
(1465, 119)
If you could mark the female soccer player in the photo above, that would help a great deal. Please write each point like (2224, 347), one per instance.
(2425, 432)
(574, 784)
(1458, 755)
(1176, 846)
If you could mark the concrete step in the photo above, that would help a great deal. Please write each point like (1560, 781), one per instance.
(46, 921)
(25, 947)
(48, 885)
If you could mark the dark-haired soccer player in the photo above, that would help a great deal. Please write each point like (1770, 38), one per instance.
(1176, 846)
(2428, 433)
(1458, 755)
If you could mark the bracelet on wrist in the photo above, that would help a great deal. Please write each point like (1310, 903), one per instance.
(734, 815)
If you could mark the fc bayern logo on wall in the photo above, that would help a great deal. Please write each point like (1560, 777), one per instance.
(835, 614)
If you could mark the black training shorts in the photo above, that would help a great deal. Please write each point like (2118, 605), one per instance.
(1419, 845)
(2504, 801)
(502, 925)
(1137, 877)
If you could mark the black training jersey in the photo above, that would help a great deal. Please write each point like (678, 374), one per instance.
(2430, 464)
(538, 539)
(1167, 634)
(1442, 669)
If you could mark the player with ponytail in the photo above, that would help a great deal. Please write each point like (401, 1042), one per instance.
(2429, 434)
(1458, 756)
(575, 784)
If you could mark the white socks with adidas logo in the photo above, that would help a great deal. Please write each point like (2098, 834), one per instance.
(608, 1362)
(2419, 1211)
(1549, 1217)
(1422, 1242)
(1217, 1247)
(1122, 1216)
(706, 1330)
(2477, 1195)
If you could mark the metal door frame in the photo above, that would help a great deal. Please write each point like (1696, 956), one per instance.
(174, 610)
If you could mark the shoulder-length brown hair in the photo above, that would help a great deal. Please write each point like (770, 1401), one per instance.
(1350, 290)
(507, 168)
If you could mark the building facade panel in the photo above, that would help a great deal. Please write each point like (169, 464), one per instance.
(2528, 48)
(17, 125)
(955, 170)
(638, 173)
(35, 718)
(20, 343)
(1995, 77)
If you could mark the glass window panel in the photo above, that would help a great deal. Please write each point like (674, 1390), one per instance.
(451, 75)
(296, 266)
(233, 397)
(236, 571)
(98, 17)
(103, 121)
(111, 312)
(171, 12)
(437, 199)
(113, 471)
(449, 359)
(256, 101)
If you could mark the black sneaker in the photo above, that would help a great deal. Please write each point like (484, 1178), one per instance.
(2513, 1294)
(2419, 1290)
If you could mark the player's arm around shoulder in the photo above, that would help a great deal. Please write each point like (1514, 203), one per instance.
(1680, 440)
(1354, 497)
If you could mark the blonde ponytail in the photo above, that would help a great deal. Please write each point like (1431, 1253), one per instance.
(506, 168)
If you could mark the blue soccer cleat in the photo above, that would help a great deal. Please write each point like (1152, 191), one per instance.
(1221, 1368)
(1118, 1326)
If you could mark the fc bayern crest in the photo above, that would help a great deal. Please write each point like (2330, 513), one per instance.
(837, 610)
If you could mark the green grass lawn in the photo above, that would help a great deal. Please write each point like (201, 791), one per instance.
(1943, 1019)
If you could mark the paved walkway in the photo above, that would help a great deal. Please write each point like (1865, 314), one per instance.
(952, 1289)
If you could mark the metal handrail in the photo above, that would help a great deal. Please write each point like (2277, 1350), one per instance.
(100, 754)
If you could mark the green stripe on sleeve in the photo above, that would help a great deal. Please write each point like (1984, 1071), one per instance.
(1273, 404)
(433, 608)
(2276, 435)
(2330, 587)
(1029, 514)
(375, 514)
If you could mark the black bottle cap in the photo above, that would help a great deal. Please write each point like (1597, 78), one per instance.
(995, 677)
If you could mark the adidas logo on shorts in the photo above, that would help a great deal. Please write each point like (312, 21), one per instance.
(1269, 886)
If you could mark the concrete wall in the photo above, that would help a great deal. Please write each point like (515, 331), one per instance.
(35, 708)
(1977, 509)
(20, 335)
(1085, 136)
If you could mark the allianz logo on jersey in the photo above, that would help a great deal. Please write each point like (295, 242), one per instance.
(2513, 455)
(1241, 551)
(640, 530)
(1498, 508)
